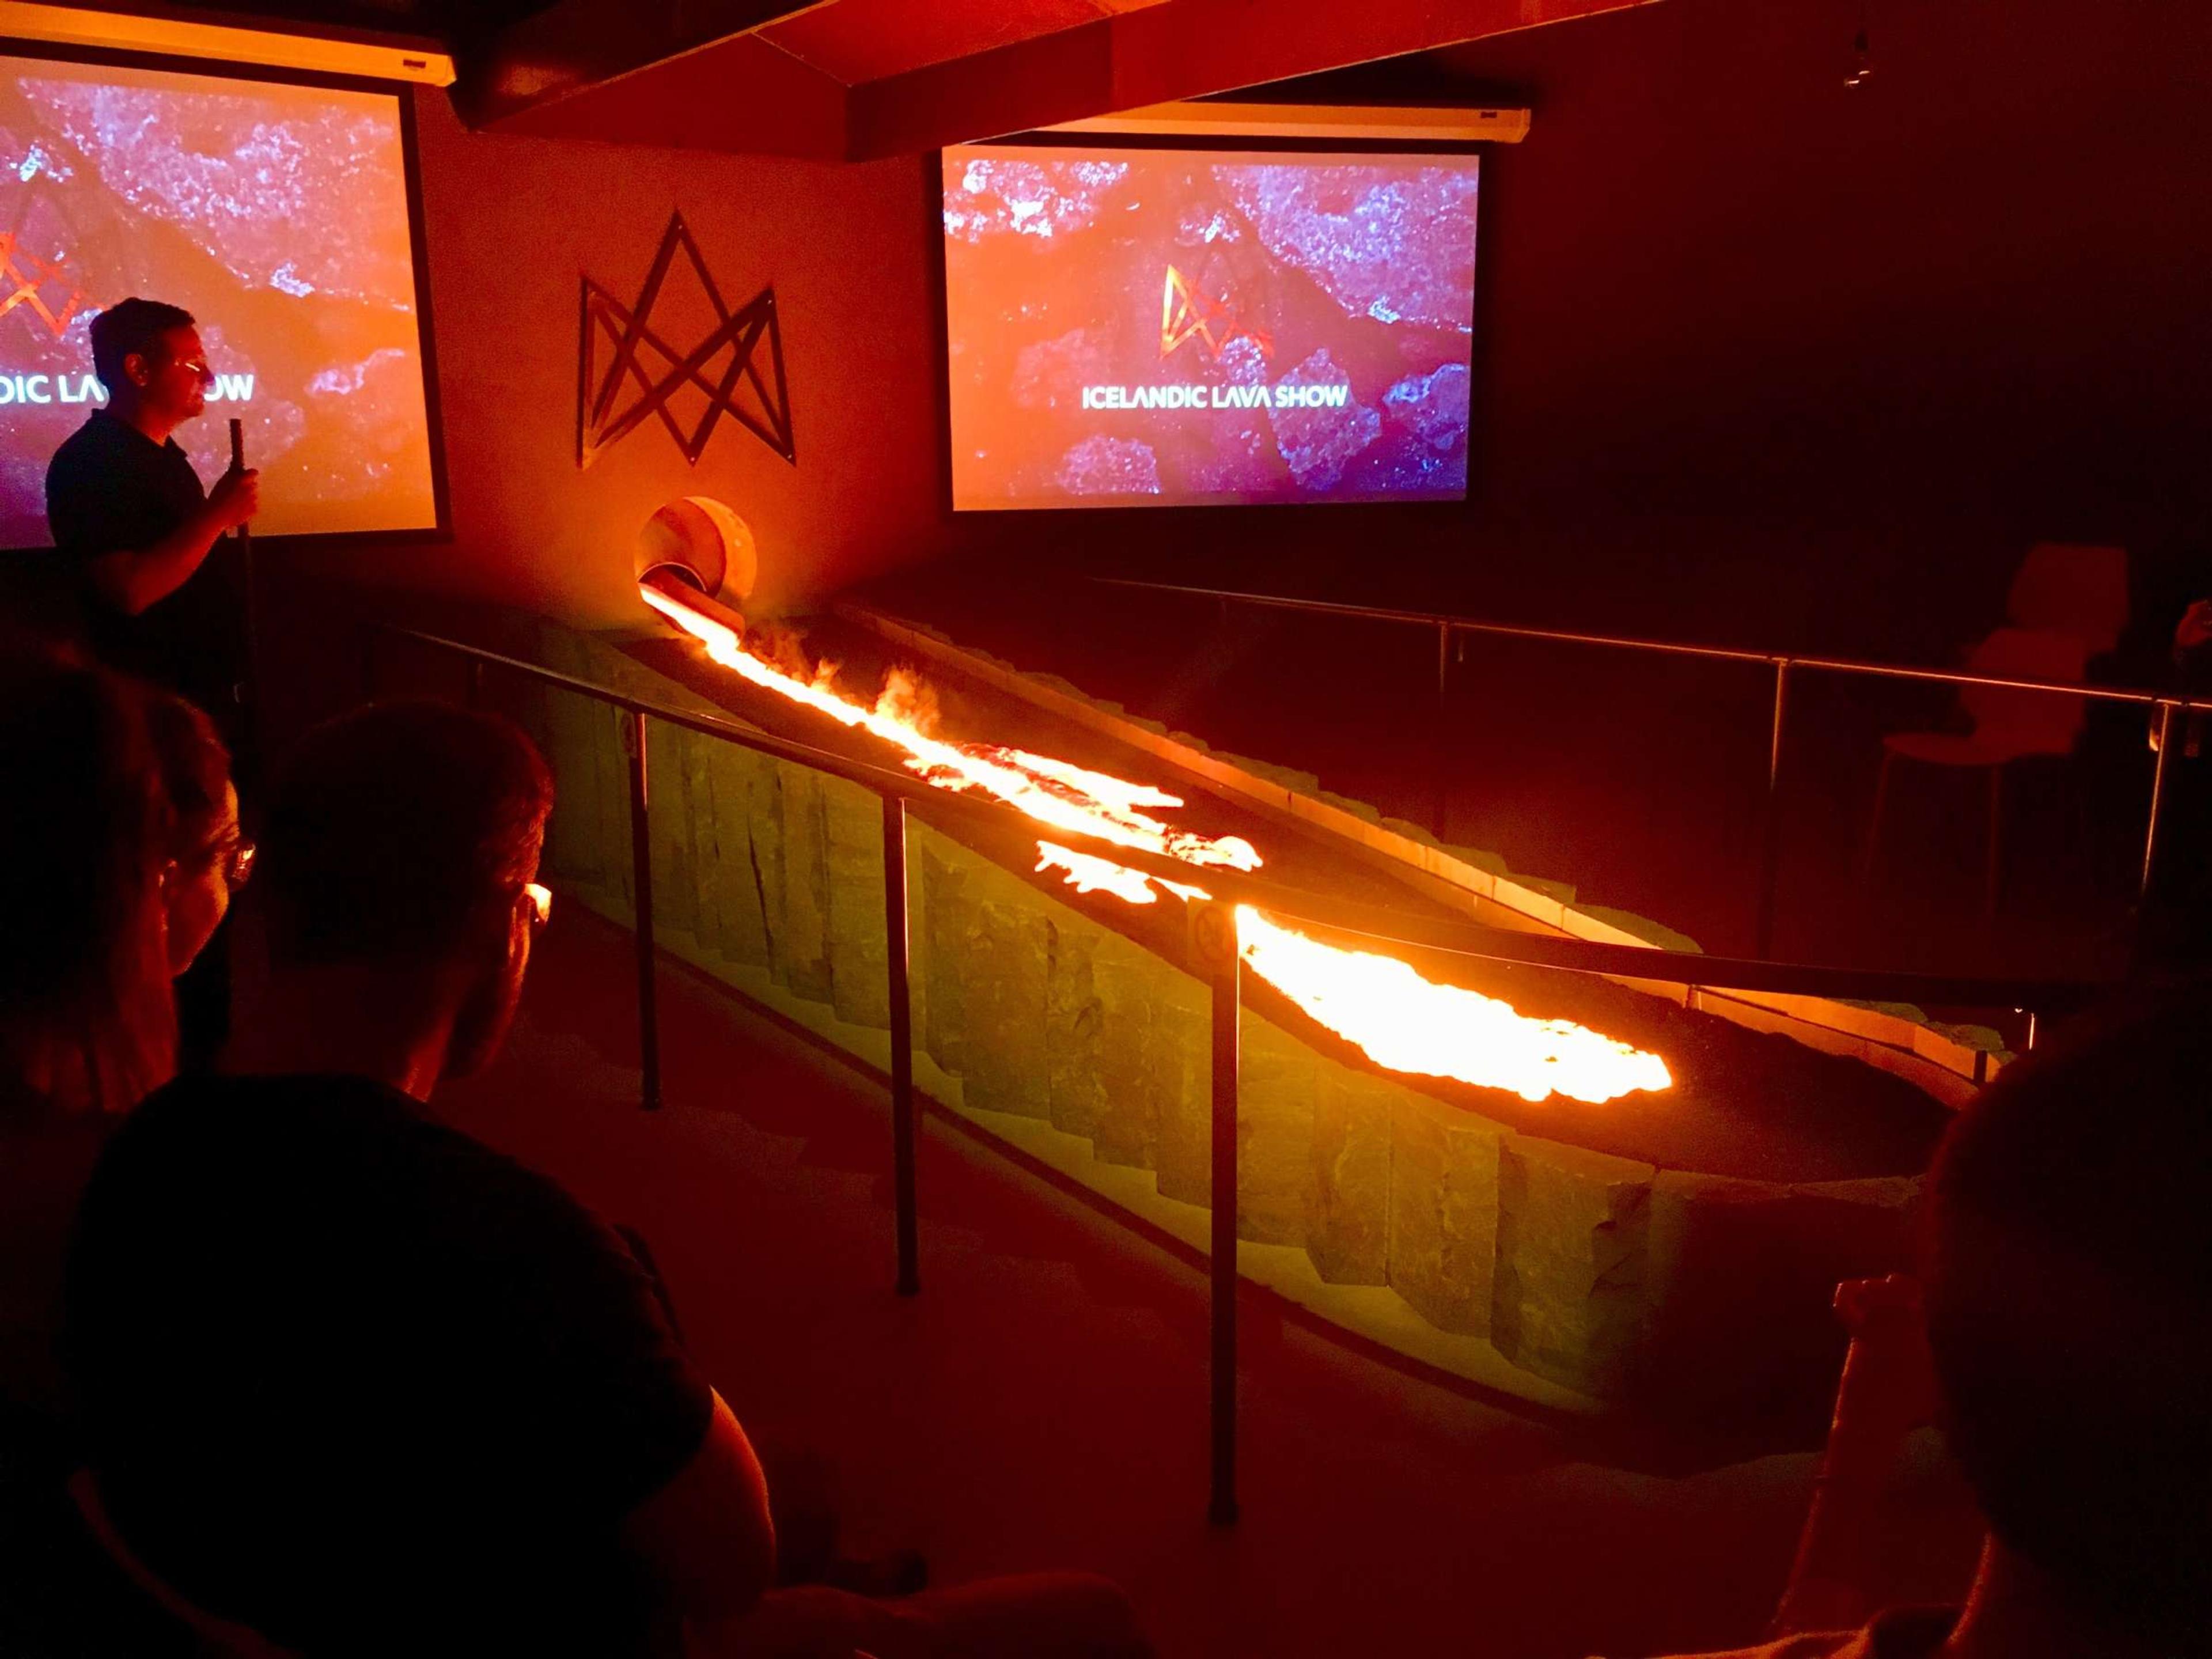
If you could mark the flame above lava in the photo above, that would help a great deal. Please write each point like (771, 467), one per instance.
(1399, 1019)
(1052, 792)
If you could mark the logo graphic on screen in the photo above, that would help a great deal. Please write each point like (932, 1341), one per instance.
(28, 274)
(738, 336)
(1185, 311)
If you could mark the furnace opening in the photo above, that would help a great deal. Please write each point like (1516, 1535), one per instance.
(702, 543)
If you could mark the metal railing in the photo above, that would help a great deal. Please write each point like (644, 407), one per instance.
(1213, 936)
(2169, 706)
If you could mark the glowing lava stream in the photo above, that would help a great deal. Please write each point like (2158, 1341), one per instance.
(1399, 1019)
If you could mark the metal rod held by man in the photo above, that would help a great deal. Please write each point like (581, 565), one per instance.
(249, 691)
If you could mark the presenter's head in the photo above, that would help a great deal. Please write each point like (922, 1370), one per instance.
(148, 356)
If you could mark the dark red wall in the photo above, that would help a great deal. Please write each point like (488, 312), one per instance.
(1761, 357)
(1893, 331)
(513, 224)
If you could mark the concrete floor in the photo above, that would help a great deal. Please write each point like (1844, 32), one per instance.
(1043, 1403)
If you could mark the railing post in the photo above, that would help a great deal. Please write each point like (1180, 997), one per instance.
(896, 935)
(640, 859)
(1444, 731)
(1770, 823)
(1215, 931)
(2169, 729)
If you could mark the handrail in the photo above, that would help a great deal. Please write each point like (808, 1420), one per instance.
(1456, 624)
(2167, 705)
(1384, 924)
(1214, 956)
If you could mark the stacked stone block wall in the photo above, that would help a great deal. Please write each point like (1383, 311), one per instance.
(1607, 1277)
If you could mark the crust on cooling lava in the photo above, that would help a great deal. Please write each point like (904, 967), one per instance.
(1950, 1062)
(1753, 1105)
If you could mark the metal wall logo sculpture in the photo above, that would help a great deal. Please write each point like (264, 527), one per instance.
(625, 337)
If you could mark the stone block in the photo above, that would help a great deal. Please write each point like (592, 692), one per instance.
(802, 943)
(917, 984)
(740, 787)
(1178, 1051)
(701, 838)
(942, 868)
(668, 818)
(610, 770)
(1277, 1079)
(576, 852)
(1151, 1065)
(1075, 1087)
(765, 824)
(1443, 1211)
(587, 840)
(1348, 1214)
(1741, 1281)
(859, 949)
(1573, 1266)
(1007, 968)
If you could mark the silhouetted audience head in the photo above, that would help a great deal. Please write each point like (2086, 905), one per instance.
(86, 1023)
(400, 845)
(2069, 1302)
(208, 857)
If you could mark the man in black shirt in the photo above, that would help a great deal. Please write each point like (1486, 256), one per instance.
(347, 1377)
(132, 533)
(134, 525)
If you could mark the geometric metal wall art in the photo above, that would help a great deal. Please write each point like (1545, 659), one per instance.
(628, 372)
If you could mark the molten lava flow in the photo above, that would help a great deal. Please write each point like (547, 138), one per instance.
(1397, 1019)
(1088, 873)
(1410, 1024)
(1052, 792)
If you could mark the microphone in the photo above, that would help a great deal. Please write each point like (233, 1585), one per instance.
(247, 691)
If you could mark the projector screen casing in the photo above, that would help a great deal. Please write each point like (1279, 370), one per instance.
(207, 433)
(959, 496)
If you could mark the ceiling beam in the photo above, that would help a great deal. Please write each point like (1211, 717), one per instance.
(576, 46)
(1217, 119)
(707, 74)
(859, 40)
(1185, 49)
(748, 96)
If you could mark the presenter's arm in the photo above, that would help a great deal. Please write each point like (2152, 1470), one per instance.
(134, 578)
(706, 1536)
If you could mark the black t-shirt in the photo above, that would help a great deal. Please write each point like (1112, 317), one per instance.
(111, 488)
(355, 1379)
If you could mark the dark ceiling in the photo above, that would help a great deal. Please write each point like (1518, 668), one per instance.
(855, 79)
